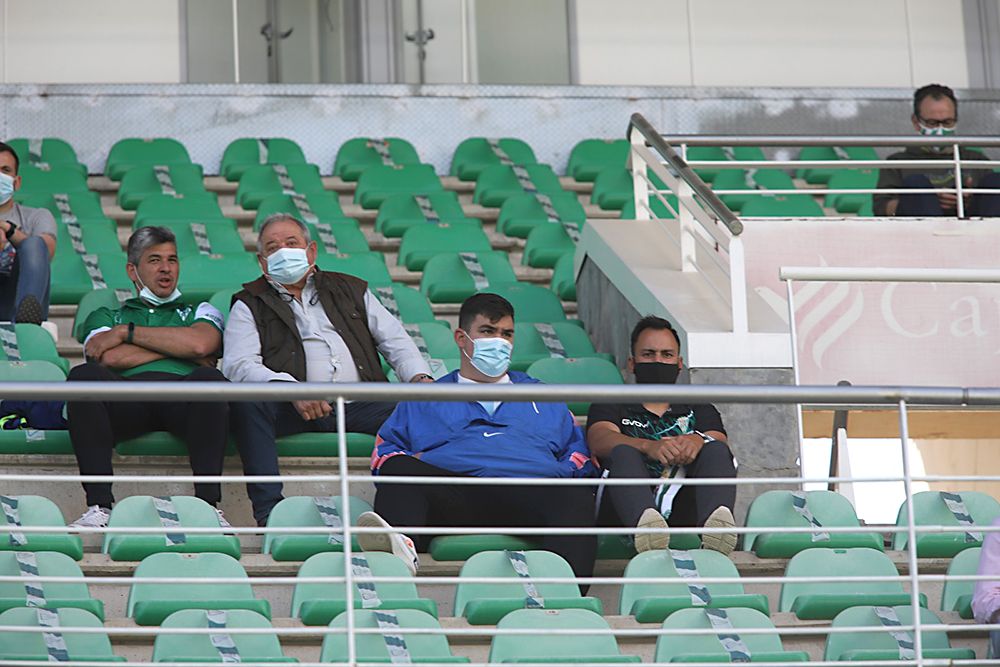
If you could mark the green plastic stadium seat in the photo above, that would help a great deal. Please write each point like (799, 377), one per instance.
(241, 154)
(204, 275)
(86, 206)
(49, 181)
(613, 191)
(150, 603)
(30, 371)
(406, 304)
(318, 604)
(369, 266)
(827, 599)
(659, 209)
(336, 237)
(744, 153)
(447, 279)
(651, 603)
(475, 155)
(323, 205)
(522, 213)
(379, 182)
(260, 647)
(564, 278)
(421, 243)
(437, 337)
(46, 152)
(400, 212)
(356, 155)
(56, 595)
(529, 343)
(486, 604)
(91, 301)
(325, 444)
(30, 441)
(198, 205)
(304, 512)
(260, 182)
(83, 647)
(705, 154)
(141, 182)
(589, 370)
(37, 511)
(223, 299)
(782, 206)
(374, 648)
(463, 547)
(957, 595)
(775, 509)
(31, 343)
(497, 183)
(532, 303)
(439, 366)
(758, 180)
(851, 179)
(591, 156)
(871, 646)
(546, 244)
(128, 153)
(142, 512)
(822, 175)
(593, 644)
(98, 236)
(707, 648)
(929, 509)
(221, 236)
(158, 443)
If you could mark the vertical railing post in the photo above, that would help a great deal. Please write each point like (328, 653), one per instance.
(794, 340)
(637, 167)
(738, 286)
(689, 249)
(345, 513)
(911, 542)
(957, 152)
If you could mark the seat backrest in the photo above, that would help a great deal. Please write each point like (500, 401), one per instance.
(60, 178)
(28, 510)
(331, 564)
(49, 563)
(412, 306)
(929, 509)
(33, 343)
(792, 206)
(369, 266)
(163, 565)
(263, 647)
(186, 177)
(498, 564)
(90, 646)
(30, 371)
(263, 178)
(532, 303)
(589, 156)
(204, 275)
(964, 563)
(563, 648)
(131, 152)
(835, 563)
(91, 301)
(660, 565)
(775, 509)
(671, 647)
(50, 150)
(445, 205)
(530, 344)
(302, 512)
(865, 617)
(358, 153)
(142, 512)
(160, 206)
(586, 370)
(322, 204)
(245, 152)
(373, 647)
(475, 154)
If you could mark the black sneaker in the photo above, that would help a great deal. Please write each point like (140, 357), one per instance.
(29, 311)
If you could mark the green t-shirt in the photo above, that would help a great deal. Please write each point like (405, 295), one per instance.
(176, 314)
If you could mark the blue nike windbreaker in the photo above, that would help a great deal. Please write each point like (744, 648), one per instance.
(518, 440)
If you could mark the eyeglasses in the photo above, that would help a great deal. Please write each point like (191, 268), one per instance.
(930, 122)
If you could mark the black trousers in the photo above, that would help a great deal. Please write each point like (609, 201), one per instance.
(95, 427)
(491, 506)
(622, 505)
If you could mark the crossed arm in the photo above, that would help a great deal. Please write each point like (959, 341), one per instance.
(198, 342)
(602, 437)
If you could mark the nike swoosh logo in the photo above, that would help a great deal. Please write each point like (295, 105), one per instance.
(490, 435)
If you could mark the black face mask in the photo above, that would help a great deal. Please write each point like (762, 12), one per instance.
(656, 373)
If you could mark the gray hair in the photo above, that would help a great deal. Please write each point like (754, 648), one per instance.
(280, 217)
(145, 238)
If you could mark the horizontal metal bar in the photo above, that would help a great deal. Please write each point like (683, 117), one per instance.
(788, 165)
(805, 140)
(885, 274)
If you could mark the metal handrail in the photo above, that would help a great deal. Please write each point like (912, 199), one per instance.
(805, 140)
(709, 199)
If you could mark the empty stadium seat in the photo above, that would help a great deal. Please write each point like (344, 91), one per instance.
(406, 304)
(782, 206)
(29, 342)
(197, 205)
(463, 547)
(851, 179)
(201, 276)
(50, 594)
(145, 181)
(957, 595)
(822, 175)
(541, 340)
(499, 182)
(893, 644)
(379, 182)
(564, 278)
(369, 266)
(128, 153)
(167, 512)
(70, 279)
(651, 603)
(454, 277)
(546, 244)
(50, 181)
(433, 339)
(657, 206)
(812, 600)
(786, 509)
(325, 444)
(263, 181)
(310, 512)
(97, 236)
(241, 154)
(476, 154)
(931, 508)
(592, 643)
(316, 206)
(486, 604)
(706, 154)
(532, 303)
(728, 645)
(758, 179)
(387, 646)
(588, 370)
(30, 371)
(400, 212)
(336, 237)
(40, 647)
(84, 205)
(91, 301)
(36, 511)
(591, 156)
(318, 604)
(150, 603)
(522, 213)
(356, 155)
(423, 242)
(218, 236)
(219, 646)
(45, 153)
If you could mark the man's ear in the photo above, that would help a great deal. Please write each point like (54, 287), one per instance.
(312, 251)
(262, 262)
(680, 363)
(130, 271)
(630, 364)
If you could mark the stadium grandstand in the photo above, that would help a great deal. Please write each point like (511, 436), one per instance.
(767, 231)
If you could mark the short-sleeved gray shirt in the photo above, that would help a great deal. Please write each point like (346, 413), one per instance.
(31, 221)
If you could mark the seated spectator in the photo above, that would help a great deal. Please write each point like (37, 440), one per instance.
(299, 324)
(986, 595)
(935, 114)
(482, 439)
(664, 442)
(158, 337)
(29, 243)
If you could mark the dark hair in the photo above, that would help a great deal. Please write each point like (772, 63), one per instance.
(145, 238)
(5, 148)
(652, 322)
(491, 306)
(935, 91)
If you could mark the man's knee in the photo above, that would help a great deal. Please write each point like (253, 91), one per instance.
(89, 372)
(624, 453)
(716, 459)
(244, 411)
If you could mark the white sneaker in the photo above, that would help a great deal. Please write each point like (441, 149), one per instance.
(95, 517)
(651, 518)
(223, 523)
(395, 543)
(724, 543)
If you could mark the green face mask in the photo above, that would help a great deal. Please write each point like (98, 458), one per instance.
(938, 131)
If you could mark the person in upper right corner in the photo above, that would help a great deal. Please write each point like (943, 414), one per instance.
(670, 442)
(935, 114)
(986, 595)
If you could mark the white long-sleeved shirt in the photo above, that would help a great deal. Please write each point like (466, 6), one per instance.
(327, 356)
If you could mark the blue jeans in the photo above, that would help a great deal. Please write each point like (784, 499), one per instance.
(257, 425)
(927, 204)
(29, 277)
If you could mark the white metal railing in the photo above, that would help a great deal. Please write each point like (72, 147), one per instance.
(890, 397)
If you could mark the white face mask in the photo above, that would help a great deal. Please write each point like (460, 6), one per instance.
(6, 187)
(149, 297)
(288, 265)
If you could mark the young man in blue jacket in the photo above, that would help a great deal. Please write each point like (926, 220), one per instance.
(482, 439)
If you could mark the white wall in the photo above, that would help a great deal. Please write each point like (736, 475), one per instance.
(849, 43)
(96, 41)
